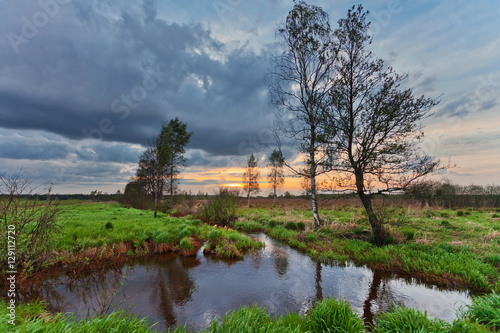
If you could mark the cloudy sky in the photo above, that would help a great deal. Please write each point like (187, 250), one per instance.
(85, 83)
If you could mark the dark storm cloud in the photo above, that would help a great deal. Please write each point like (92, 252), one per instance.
(116, 74)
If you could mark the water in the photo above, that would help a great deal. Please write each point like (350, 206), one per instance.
(174, 290)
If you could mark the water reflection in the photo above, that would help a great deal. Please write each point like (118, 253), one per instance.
(174, 290)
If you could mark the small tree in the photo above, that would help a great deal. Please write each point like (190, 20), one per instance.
(276, 173)
(300, 84)
(251, 178)
(160, 164)
(374, 123)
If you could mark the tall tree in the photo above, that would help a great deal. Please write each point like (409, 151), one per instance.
(300, 84)
(374, 122)
(160, 164)
(251, 178)
(276, 173)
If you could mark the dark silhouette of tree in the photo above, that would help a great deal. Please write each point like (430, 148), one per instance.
(299, 84)
(373, 122)
(276, 173)
(175, 137)
(251, 178)
(160, 164)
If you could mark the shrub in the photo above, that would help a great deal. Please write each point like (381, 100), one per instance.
(331, 315)
(301, 226)
(33, 223)
(109, 225)
(273, 223)
(222, 209)
(460, 213)
(291, 226)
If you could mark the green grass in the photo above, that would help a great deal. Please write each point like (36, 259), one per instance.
(33, 317)
(485, 311)
(227, 243)
(439, 246)
(402, 319)
(96, 231)
(329, 315)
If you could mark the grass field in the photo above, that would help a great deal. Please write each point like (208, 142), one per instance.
(449, 247)
(97, 232)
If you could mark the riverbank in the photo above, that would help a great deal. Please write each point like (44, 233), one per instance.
(93, 235)
(453, 248)
(327, 315)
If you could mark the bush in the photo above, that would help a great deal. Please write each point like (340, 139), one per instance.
(291, 226)
(301, 226)
(31, 222)
(223, 209)
(109, 225)
(331, 315)
(460, 213)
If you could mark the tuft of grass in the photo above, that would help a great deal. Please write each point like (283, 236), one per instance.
(402, 319)
(245, 319)
(291, 226)
(109, 225)
(485, 311)
(331, 315)
(301, 226)
(186, 244)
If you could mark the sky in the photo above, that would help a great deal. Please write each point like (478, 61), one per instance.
(84, 84)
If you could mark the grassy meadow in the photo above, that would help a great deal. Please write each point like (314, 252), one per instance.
(95, 233)
(452, 247)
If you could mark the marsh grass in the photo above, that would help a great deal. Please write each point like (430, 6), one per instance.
(328, 315)
(402, 319)
(33, 317)
(98, 232)
(228, 243)
(485, 311)
(437, 246)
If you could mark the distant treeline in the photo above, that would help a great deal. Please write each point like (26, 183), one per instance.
(427, 193)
